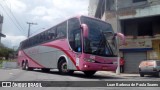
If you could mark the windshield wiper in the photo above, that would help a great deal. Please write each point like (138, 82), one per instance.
(104, 42)
(101, 43)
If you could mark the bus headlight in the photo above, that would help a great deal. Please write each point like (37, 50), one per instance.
(89, 60)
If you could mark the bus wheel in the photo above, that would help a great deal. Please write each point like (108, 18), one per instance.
(70, 72)
(27, 67)
(23, 65)
(89, 73)
(62, 67)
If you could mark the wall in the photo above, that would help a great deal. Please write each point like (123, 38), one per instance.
(6, 64)
(92, 7)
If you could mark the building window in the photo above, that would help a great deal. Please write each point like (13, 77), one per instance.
(135, 1)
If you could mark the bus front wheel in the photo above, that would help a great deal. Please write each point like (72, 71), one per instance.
(89, 73)
(62, 67)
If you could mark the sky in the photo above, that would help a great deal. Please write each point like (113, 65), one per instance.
(46, 13)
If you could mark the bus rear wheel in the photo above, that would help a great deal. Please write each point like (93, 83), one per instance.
(89, 73)
(23, 65)
(27, 67)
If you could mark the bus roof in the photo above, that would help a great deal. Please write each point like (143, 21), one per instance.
(78, 16)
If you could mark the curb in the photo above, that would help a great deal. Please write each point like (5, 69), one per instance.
(114, 74)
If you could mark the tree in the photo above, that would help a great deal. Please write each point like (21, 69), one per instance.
(4, 51)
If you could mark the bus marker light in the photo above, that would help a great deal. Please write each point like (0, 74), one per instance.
(85, 65)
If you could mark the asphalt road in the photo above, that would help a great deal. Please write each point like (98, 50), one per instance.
(53, 75)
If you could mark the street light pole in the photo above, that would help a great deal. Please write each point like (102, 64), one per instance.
(117, 22)
(29, 23)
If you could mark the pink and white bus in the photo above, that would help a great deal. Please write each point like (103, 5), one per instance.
(78, 44)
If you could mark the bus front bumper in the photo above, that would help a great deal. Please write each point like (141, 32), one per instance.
(88, 66)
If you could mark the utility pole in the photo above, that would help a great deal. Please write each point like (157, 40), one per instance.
(117, 22)
(30, 23)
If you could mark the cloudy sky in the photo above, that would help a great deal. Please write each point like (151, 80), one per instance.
(45, 13)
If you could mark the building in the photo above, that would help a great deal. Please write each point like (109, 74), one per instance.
(1, 22)
(139, 20)
(92, 7)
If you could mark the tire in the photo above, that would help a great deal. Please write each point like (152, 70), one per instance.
(70, 72)
(89, 73)
(45, 69)
(62, 67)
(27, 67)
(23, 65)
(141, 74)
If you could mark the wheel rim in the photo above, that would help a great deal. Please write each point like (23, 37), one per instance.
(64, 67)
(23, 65)
(26, 66)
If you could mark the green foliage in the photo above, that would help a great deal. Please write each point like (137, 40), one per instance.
(5, 52)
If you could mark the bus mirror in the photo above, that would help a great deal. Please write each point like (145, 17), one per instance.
(85, 30)
(121, 36)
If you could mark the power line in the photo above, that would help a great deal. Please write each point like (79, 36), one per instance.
(13, 15)
(11, 19)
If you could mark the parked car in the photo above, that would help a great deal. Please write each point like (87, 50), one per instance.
(149, 67)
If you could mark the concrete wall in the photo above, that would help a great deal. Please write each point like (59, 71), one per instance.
(9, 65)
(92, 7)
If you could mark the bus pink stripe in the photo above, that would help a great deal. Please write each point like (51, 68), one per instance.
(65, 53)
(32, 59)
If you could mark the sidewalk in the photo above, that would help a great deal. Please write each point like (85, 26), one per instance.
(121, 74)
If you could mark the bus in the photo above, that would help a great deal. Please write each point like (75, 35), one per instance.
(80, 43)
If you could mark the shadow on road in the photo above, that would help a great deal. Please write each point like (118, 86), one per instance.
(82, 75)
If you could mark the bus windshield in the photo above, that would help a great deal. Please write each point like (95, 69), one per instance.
(100, 39)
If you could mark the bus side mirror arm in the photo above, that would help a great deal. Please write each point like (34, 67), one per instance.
(85, 30)
(121, 36)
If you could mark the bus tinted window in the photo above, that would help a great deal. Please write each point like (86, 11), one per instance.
(52, 33)
(74, 34)
(55, 32)
(61, 30)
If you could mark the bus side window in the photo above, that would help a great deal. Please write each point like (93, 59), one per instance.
(41, 38)
(52, 34)
(61, 30)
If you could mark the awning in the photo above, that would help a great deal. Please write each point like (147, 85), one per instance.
(135, 49)
(2, 35)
